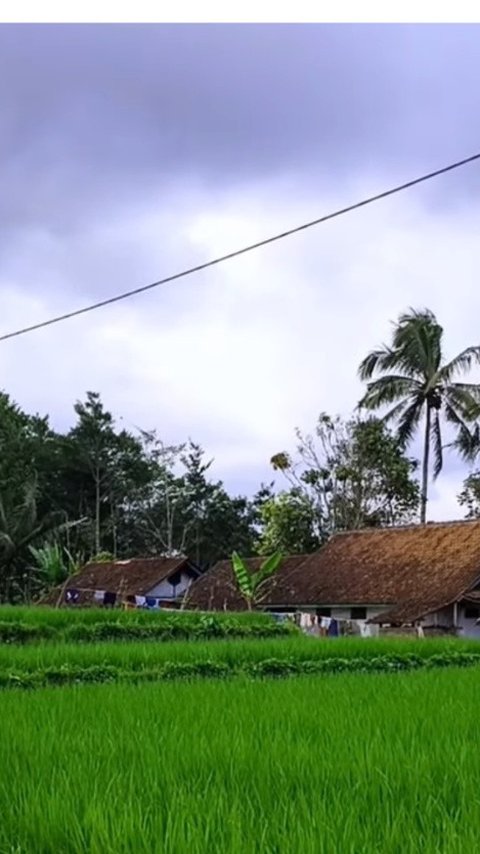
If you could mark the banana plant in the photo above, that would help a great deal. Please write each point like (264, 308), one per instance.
(55, 563)
(250, 583)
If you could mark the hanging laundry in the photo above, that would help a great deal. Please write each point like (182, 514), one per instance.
(140, 601)
(109, 599)
(305, 621)
(98, 595)
(72, 596)
(151, 602)
(313, 629)
(332, 630)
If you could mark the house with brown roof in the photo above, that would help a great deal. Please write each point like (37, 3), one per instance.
(428, 574)
(165, 579)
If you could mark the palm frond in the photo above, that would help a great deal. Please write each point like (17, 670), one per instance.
(26, 513)
(467, 442)
(464, 400)
(388, 389)
(417, 339)
(454, 417)
(461, 363)
(379, 360)
(408, 421)
(3, 516)
(396, 411)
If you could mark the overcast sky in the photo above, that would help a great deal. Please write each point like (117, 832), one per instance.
(130, 152)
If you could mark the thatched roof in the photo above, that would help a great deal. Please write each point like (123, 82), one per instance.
(137, 576)
(415, 569)
(216, 589)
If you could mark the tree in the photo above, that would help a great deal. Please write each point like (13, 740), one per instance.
(20, 528)
(469, 497)
(411, 374)
(181, 511)
(93, 441)
(26, 453)
(101, 469)
(355, 474)
(218, 522)
(250, 584)
(289, 524)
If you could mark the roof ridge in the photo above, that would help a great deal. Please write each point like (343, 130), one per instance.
(411, 526)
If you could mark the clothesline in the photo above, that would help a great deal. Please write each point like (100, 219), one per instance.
(109, 598)
(335, 626)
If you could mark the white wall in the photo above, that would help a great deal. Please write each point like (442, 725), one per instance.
(344, 613)
(468, 627)
(443, 618)
(165, 590)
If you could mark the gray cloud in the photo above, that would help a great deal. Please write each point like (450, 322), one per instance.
(110, 112)
(129, 152)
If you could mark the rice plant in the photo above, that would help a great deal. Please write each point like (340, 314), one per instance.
(349, 764)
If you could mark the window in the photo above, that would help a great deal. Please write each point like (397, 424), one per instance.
(358, 613)
(472, 613)
(324, 612)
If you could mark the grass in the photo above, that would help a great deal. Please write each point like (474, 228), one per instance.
(350, 764)
(64, 617)
(32, 666)
(135, 656)
(31, 625)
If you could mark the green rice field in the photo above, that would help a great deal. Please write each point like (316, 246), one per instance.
(165, 759)
(65, 617)
(135, 655)
(44, 664)
(89, 625)
(349, 764)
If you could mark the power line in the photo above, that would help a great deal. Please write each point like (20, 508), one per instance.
(238, 252)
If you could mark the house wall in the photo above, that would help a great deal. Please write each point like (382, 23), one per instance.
(344, 613)
(165, 590)
(467, 626)
(339, 612)
(444, 618)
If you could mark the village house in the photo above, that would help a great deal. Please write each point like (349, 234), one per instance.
(419, 574)
(160, 580)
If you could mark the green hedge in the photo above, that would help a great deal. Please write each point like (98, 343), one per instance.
(273, 667)
(201, 627)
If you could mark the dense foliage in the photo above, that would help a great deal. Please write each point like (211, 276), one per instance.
(98, 488)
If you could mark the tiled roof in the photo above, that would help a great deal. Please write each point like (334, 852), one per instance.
(135, 576)
(416, 568)
(216, 589)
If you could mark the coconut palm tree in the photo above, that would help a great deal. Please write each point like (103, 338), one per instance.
(412, 375)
